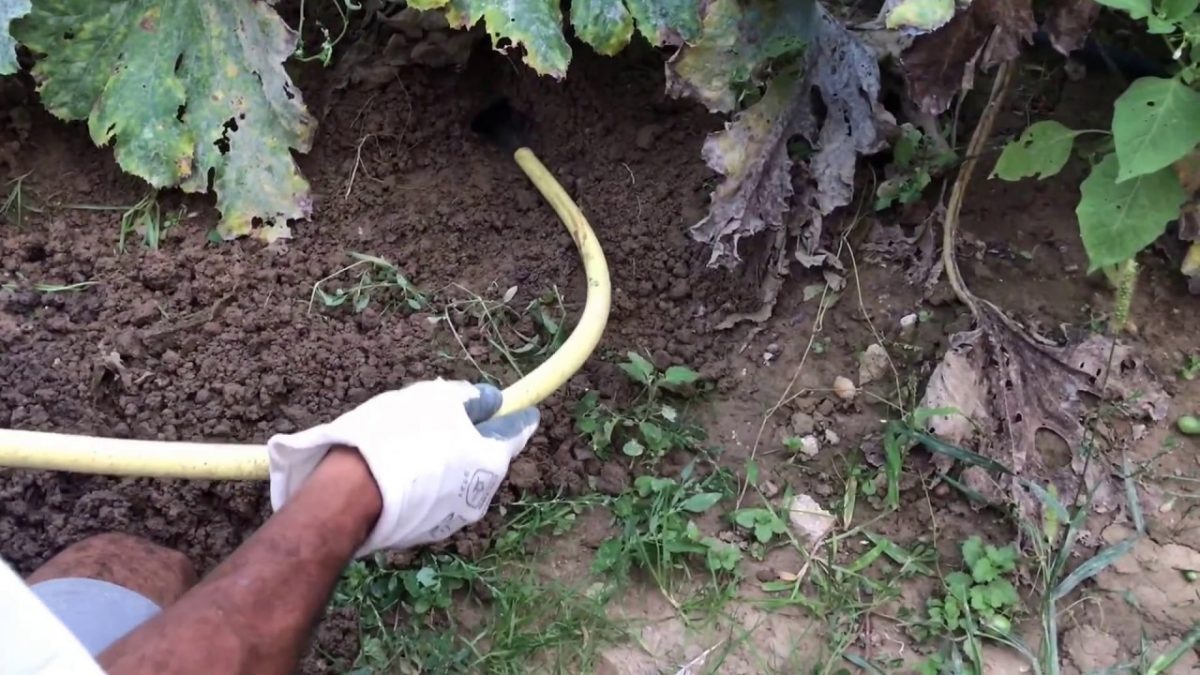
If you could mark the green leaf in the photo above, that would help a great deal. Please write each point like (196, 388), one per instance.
(925, 15)
(1138, 9)
(1177, 10)
(746, 518)
(666, 22)
(738, 41)
(653, 434)
(700, 503)
(632, 448)
(1159, 26)
(1001, 595)
(9, 10)
(1004, 558)
(763, 533)
(1116, 220)
(182, 89)
(972, 550)
(676, 375)
(1041, 151)
(604, 24)
(1094, 565)
(535, 25)
(1155, 122)
(983, 571)
(638, 368)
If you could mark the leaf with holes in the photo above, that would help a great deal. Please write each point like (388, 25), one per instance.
(9, 10)
(535, 25)
(187, 91)
(1041, 151)
(1155, 122)
(1118, 219)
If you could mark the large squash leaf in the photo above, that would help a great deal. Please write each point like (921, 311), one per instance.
(534, 24)
(188, 92)
(606, 25)
(739, 40)
(9, 10)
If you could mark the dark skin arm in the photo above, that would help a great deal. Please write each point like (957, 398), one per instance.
(255, 612)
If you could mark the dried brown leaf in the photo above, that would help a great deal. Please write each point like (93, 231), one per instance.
(940, 64)
(1010, 384)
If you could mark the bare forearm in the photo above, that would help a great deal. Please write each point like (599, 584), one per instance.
(255, 612)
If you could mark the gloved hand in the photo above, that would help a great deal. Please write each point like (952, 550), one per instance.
(435, 459)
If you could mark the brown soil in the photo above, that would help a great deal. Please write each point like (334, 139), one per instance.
(222, 343)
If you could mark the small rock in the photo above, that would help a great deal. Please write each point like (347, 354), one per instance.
(831, 437)
(844, 388)
(808, 519)
(872, 364)
(766, 575)
(908, 326)
(802, 423)
(679, 289)
(769, 489)
(809, 446)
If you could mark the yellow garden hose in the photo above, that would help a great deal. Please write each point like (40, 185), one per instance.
(220, 461)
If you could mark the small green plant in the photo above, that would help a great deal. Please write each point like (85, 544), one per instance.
(976, 602)
(1191, 368)
(653, 425)
(984, 590)
(409, 618)
(15, 205)
(147, 220)
(374, 279)
(763, 523)
(657, 533)
(916, 160)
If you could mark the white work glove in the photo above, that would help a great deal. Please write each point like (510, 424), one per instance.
(436, 467)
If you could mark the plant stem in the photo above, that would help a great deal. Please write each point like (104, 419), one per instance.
(979, 137)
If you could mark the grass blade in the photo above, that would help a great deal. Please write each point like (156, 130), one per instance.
(1092, 567)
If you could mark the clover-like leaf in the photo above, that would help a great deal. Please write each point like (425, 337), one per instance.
(1155, 122)
(1116, 220)
(1041, 151)
(187, 91)
(9, 10)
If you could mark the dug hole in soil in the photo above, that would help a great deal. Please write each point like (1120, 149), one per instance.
(223, 342)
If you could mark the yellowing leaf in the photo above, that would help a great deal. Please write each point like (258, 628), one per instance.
(737, 42)
(921, 14)
(604, 24)
(535, 25)
(186, 91)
